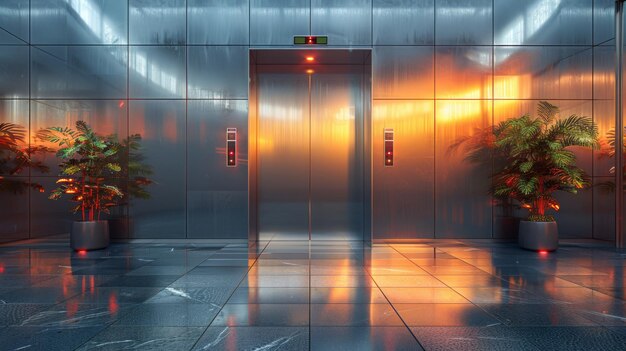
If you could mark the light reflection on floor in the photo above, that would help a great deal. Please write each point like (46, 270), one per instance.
(445, 294)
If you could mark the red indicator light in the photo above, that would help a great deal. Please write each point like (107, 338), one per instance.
(543, 252)
(388, 152)
(82, 252)
(121, 104)
(310, 58)
(309, 40)
(231, 153)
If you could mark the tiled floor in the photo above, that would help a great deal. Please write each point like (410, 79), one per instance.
(436, 295)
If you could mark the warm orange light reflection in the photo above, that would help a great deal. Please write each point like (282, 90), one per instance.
(310, 58)
(310, 71)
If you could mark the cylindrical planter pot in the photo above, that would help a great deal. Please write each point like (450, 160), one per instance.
(89, 235)
(538, 236)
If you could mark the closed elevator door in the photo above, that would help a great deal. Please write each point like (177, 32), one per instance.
(310, 153)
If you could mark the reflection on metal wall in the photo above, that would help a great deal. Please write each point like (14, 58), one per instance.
(436, 75)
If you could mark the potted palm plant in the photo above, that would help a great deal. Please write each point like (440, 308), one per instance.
(532, 159)
(88, 165)
(540, 163)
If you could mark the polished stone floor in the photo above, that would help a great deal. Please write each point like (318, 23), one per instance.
(436, 295)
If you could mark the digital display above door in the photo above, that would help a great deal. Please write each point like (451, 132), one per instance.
(231, 147)
(310, 40)
(388, 135)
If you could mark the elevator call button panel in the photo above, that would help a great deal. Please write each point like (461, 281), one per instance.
(388, 135)
(231, 147)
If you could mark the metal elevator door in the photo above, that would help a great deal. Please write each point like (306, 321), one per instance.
(310, 153)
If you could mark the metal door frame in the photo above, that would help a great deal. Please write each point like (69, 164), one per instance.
(253, 187)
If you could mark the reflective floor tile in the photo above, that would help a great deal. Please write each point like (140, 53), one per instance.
(596, 281)
(403, 270)
(473, 280)
(160, 270)
(218, 270)
(471, 339)
(254, 338)
(423, 295)
(347, 295)
(144, 338)
(500, 296)
(209, 280)
(341, 281)
(120, 295)
(537, 315)
(572, 295)
(16, 314)
(444, 315)
(169, 315)
(573, 338)
(354, 315)
(407, 281)
(329, 270)
(362, 338)
(263, 315)
(46, 339)
(70, 315)
(606, 314)
(453, 270)
(201, 295)
(263, 295)
(279, 270)
(273, 281)
(141, 281)
(226, 263)
(39, 295)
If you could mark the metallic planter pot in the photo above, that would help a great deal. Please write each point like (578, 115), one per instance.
(538, 236)
(89, 235)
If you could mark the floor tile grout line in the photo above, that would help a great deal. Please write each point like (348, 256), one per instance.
(233, 292)
(392, 305)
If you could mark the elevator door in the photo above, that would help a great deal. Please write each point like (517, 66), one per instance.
(310, 153)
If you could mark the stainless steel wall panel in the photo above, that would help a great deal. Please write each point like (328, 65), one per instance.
(218, 72)
(505, 109)
(603, 209)
(275, 22)
(604, 71)
(463, 72)
(217, 195)
(68, 72)
(543, 22)
(214, 22)
(14, 71)
(403, 22)
(336, 164)
(403, 72)
(604, 117)
(14, 217)
(64, 22)
(576, 215)
(462, 204)
(347, 22)
(603, 20)
(104, 116)
(543, 73)
(157, 22)
(157, 72)
(404, 194)
(463, 22)
(14, 16)
(161, 124)
(49, 217)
